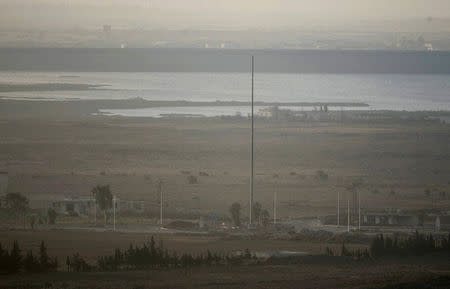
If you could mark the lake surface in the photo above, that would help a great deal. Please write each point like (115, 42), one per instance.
(381, 91)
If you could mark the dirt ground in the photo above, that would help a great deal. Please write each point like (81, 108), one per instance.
(255, 276)
(315, 273)
(51, 158)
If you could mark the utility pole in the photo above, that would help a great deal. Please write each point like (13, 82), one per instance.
(275, 207)
(338, 215)
(252, 173)
(348, 215)
(160, 203)
(114, 212)
(95, 212)
(359, 211)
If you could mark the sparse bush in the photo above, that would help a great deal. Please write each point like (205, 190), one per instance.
(321, 176)
(78, 264)
(329, 251)
(192, 180)
(375, 191)
(203, 174)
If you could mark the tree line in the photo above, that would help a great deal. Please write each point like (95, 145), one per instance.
(381, 246)
(153, 256)
(148, 256)
(13, 261)
(417, 244)
(19, 205)
(20, 209)
(259, 214)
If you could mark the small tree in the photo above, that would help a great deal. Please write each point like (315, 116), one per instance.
(15, 259)
(257, 208)
(32, 220)
(51, 215)
(18, 203)
(103, 198)
(68, 263)
(235, 211)
(30, 263)
(4, 260)
(265, 217)
(44, 261)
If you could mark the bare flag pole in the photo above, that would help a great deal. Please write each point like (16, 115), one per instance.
(359, 211)
(160, 203)
(338, 215)
(252, 173)
(275, 207)
(114, 212)
(348, 215)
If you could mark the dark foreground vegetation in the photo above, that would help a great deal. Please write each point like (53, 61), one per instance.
(381, 246)
(149, 256)
(13, 261)
(153, 256)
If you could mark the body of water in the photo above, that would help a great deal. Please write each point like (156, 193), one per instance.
(410, 92)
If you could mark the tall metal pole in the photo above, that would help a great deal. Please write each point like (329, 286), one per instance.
(338, 213)
(275, 207)
(252, 174)
(359, 211)
(160, 203)
(114, 212)
(348, 215)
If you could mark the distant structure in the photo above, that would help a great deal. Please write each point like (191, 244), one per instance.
(73, 206)
(275, 113)
(86, 206)
(107, 29)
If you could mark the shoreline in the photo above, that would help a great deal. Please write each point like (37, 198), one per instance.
(143, 103)
(91, 108)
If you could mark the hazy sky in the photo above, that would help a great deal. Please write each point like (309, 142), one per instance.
(236, 14)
